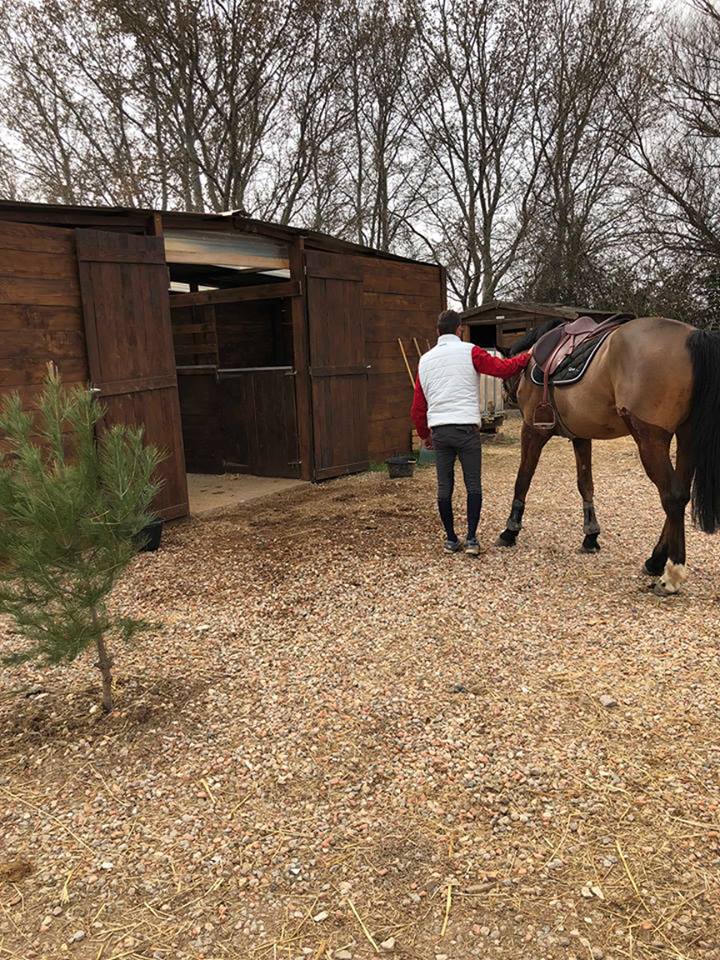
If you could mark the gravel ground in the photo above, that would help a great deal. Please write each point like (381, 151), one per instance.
(343, 743)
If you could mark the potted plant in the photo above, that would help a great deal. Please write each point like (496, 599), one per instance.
(401, 465)
(148, 539)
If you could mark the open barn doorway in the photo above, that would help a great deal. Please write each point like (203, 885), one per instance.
(231, 309)
(482, 335)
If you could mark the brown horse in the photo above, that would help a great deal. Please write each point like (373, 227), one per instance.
(651, 378)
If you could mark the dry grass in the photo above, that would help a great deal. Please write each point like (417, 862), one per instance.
(342, 736)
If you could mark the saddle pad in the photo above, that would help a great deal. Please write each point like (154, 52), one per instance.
(573, 367)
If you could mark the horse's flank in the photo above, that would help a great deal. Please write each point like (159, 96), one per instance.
(643, 367)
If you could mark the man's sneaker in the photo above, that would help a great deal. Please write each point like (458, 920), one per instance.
(452, 546)
(472, 547)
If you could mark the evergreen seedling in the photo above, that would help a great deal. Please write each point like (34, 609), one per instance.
(72, 500)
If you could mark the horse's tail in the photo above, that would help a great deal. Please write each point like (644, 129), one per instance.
(704, 349)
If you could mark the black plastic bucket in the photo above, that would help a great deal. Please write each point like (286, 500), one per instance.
(149, 537)
(400, 467)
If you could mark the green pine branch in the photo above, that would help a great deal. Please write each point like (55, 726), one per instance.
(73, 497)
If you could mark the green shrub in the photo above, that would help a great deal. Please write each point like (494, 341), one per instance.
(72, 500)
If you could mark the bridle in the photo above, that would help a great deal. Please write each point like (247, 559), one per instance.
(511, 386)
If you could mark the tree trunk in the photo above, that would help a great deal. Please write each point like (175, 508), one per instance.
(104, 663)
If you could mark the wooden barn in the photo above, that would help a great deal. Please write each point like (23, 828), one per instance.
(499, 323)
(241, 346)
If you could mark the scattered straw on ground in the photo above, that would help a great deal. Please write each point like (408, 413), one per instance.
(343, 743)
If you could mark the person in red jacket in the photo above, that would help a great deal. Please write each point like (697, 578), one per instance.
(446, 414)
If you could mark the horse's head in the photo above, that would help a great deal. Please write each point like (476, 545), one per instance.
(510, 388)
(523, 343)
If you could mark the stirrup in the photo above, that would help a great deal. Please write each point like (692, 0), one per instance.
(544, 417)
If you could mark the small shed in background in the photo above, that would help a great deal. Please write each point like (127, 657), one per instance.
(500, 322)
(239, 345)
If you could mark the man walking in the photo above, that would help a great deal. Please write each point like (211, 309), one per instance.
(446, 414)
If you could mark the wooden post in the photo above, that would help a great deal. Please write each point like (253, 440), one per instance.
(154, 226)
(407, 365)
(301, 363)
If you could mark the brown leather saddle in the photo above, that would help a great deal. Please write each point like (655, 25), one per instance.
(557, 345)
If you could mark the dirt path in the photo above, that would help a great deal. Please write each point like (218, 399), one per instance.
(340, 735)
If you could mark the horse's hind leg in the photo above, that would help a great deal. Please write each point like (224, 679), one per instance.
(655, 563)
(532, 442)
(674, 489)
(684, 470)
(583, 461)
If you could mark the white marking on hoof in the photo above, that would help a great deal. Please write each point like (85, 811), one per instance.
(673, 577)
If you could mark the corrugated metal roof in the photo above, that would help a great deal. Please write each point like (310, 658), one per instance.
(63, 215)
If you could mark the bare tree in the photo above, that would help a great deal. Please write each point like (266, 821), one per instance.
(305, 164)
(67, 106)
(547, 147)
(137, 103)
(675, 142)
(589, 46)
(471, 111)
(375, 45)
(696, 61)
(212, 74)
(9, 179)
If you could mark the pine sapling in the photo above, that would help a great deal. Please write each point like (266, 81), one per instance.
(72, 500)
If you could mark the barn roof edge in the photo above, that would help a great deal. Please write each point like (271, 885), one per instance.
(58, 214)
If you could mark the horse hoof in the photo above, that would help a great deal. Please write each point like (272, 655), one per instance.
(674, 575)
(506, 540)
(660, 590)
(590, 544)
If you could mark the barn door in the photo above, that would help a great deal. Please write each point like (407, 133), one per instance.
(338, 368)
(124, 291)
(259, 421)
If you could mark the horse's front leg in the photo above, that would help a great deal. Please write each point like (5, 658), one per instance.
(591, 527)
(532, 442)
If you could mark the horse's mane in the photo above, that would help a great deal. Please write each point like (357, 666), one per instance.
(532, 336)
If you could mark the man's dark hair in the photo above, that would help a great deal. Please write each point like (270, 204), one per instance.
(448, 321)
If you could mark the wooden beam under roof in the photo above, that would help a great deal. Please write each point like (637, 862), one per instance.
(265, 291)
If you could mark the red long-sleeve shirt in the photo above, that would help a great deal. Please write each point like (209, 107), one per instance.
(483, 362)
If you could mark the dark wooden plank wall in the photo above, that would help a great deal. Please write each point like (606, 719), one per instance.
(400, 300)
(301, 362)
(231, 335)
(259, 422)
(338, 367)
(256, 333)
(123, 284)
(194, 335)
(40, 311)
(41, 320)
(196, 357)
(200, 414)
(241, 422)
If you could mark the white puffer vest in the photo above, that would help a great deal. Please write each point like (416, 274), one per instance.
(450, 382)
